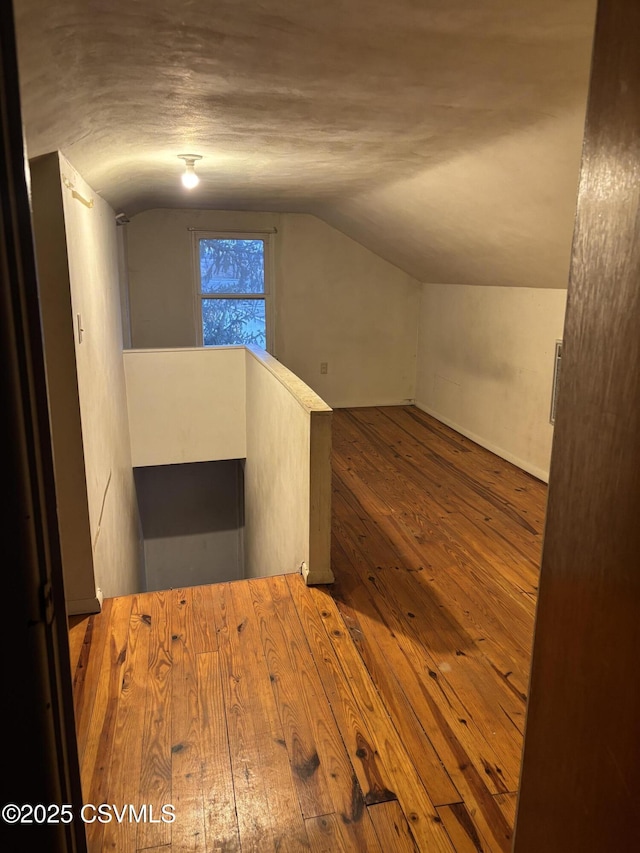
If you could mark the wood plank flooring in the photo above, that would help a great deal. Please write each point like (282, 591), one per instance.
(384, 713)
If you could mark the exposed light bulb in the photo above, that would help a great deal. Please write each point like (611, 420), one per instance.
(189, 178)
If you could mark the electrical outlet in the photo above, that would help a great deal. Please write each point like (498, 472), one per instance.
(324, 367)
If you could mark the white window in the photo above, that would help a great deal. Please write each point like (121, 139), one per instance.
(233, 288)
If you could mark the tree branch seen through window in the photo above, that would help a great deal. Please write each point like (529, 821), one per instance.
(232, 291)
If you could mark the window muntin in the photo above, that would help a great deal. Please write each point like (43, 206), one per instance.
(233, 289)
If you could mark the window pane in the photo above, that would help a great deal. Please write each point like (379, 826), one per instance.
(233, 321)
(231, 266)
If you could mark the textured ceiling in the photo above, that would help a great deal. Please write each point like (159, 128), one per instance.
(443, 135)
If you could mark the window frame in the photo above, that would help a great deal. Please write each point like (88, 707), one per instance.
(267, 296)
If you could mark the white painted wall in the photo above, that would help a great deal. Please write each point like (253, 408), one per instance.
(485, 366)
(82, 241)
(287, 478)
(335, 301)
(92, 247)
(186, 405)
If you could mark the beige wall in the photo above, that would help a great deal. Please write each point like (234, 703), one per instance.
(186, 405)
(485, 366)
(344, 305)
(335, 301)
(91, 278)
(287, 478)
(95, 294)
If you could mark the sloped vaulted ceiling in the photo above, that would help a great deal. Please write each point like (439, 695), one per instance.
(443, 134)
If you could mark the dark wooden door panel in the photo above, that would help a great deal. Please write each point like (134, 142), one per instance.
(581, 769)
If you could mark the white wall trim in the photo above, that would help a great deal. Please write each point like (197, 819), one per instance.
(540, 473)
(299, 390)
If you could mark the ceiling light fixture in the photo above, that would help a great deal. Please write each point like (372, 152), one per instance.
(189, 178)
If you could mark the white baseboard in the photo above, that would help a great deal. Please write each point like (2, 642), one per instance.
(540, 473)
(82, 606)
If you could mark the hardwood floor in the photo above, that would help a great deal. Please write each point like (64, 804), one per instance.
(384, 713)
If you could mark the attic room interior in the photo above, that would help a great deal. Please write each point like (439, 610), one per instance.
(300, 561)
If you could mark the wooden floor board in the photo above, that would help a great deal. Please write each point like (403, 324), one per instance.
(326, 834)
(126, 747)
(403, 776)
(383, 713)
(438, 653)
(396, 668)
(506, 494)
(374, 782)
(252, 810)
(203, 632)
(449, 507)
(221, 827)
(393, 478)
(468, 838)
(327, 758)
(349, 689)
(96, 740)
(187, 793)
(77, 630)
(290, 671)
(87, 671)
(504, 481)
(392, 828)
(155, 775)
(278, 765)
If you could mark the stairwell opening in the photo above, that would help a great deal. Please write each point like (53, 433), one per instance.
(192, 518)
